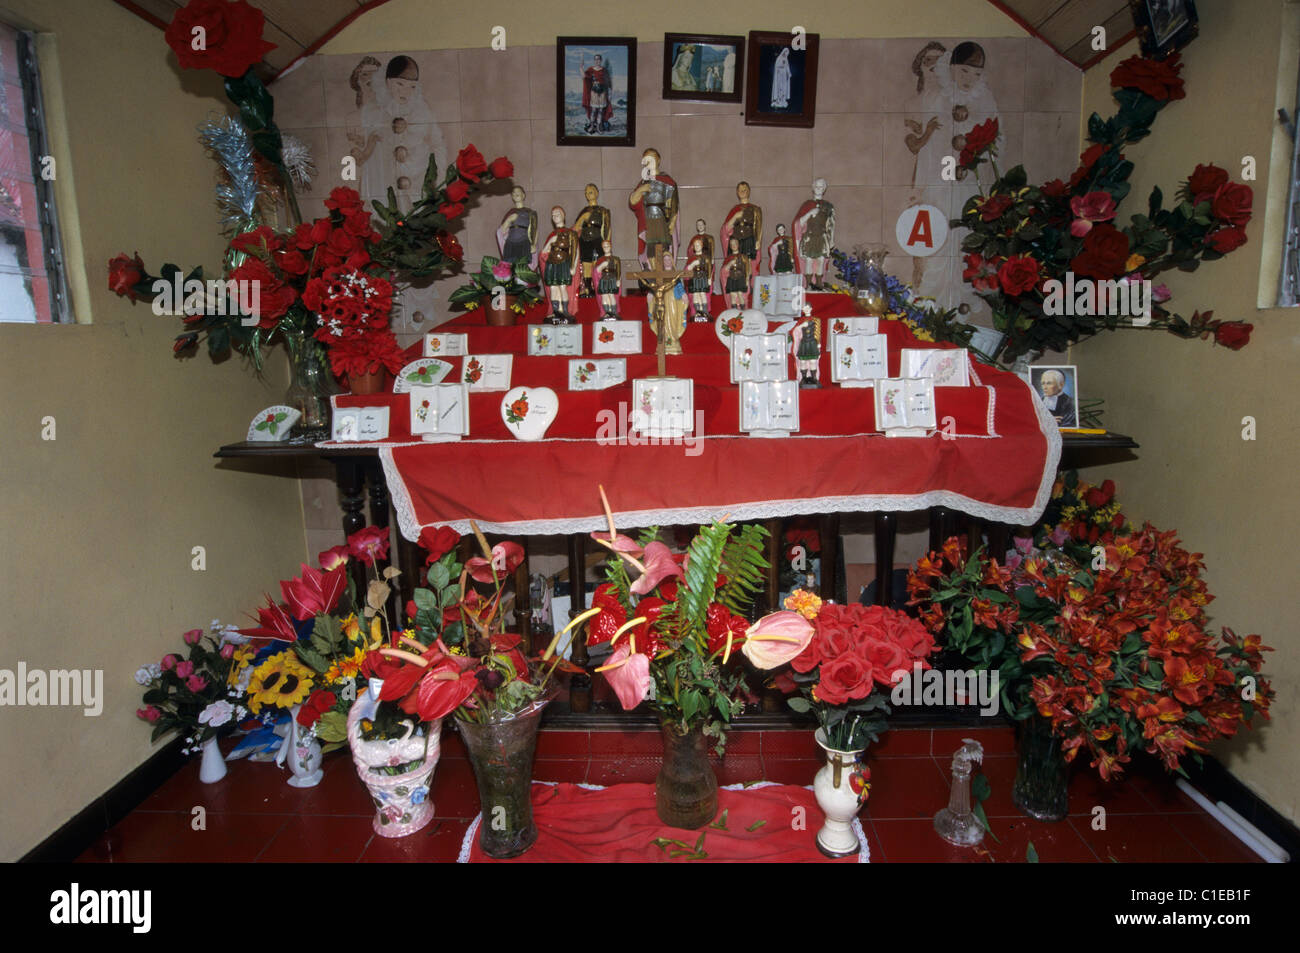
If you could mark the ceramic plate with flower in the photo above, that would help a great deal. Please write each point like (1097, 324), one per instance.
(734, 321)
(273, 424)
(422, 373)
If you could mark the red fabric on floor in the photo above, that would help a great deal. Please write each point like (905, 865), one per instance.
(618, 824)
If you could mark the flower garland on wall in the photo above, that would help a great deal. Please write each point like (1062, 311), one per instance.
(1027, 242)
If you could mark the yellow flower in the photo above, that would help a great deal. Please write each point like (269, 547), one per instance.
(345, 668)
(243, 655)
(805, 603)
(352, 629)
(281, 680)
(1135, 261)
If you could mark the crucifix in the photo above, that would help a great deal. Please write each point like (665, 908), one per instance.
(668, 327)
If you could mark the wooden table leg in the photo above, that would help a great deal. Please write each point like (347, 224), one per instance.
(579, 685)
(523, 601)
(942, 525)
(772, 591)
(829, 532)
(350, 476)
(379, 504)
(886, 531)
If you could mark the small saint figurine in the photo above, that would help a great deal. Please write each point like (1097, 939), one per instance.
(517, 235)
(736, 276)
(699, 269)
(592, 226)
(561, 274)
(702, 230)
(780, 253)
(814, 235)
(744, 223)
(606, 275)
(807, 347)
(654, 202)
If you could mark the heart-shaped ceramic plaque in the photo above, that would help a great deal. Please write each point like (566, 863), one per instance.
(529, 411)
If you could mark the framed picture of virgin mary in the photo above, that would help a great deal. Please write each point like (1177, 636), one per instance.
(595, 91)
(781, 79)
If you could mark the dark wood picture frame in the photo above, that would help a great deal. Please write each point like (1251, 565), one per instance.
(673, 41)
(764, 48)
(567, 132)
(1164, 26)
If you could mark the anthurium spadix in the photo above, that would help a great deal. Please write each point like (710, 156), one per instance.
(776, 639)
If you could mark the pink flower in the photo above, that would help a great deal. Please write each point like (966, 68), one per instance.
(776, 639)
(619, 543)
(1089, 209)
(369, 544)
(659, 565)
(501, 270)
(168, 662)
(1161, 293)
(333, 557)
(150, 714)
(193, 636)
(196, 683)
(314, 592)
(228, 651)
(184, 669)
(506, 557)
(628, 675)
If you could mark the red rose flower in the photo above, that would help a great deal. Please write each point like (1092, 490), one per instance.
(210, 34)
(369, 544)
(1099, 496)
(470, 163)
(1225, 240)
(457, 191)
(256, 240)
(977, 140)
(1087, 159)
(982, 273)
(1205, 180)
(1018, 275)
(437, 542)
(291, 262)
(1231, 203)
(451, 209)
(1157, 78)
(450, 246)
(501, 168)
(1054, 189)
(344, 200)
(1233, 335)
(1105, 251)
(846, 677)
(274, 297)
(994, 206)
(124, 274)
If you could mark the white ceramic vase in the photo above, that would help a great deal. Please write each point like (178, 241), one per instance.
(212, 766)
(833, 788)
(304, 756)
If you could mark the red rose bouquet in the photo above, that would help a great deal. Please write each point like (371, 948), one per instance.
(1024, 238)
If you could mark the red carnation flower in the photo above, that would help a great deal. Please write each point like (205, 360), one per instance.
(1156, 78)
(211, 34)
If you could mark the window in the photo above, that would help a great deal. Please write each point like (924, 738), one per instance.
(32, 284)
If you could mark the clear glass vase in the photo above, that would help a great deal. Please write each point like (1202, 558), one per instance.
(1042, 779)
(310, 387)
(686, 790)
(502, 755)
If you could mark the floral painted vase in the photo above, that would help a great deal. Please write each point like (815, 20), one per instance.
(398, 773)
(840, 788)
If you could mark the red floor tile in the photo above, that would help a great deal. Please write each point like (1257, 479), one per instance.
(438, 843)
(640, 769)
(905, 788)
(1055, 842)
(155, 837)
(791, 744)
(340, 792)
(1136, 838)
(617, 744)
(911, 841)
(1088, 791)
(902, 743)
(454, 791)
(995, 740)
(563, 745)
(1001, 773)
(1212, 840)
(319, 838)
(575, 772)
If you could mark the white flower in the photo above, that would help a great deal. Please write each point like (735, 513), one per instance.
(216, 714)
(147, 673)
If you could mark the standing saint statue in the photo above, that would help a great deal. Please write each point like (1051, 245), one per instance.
(744, 223)
(654, 202)
(561, 273)
(592, 226)
(607, 275)
(517, 234)
(814, 235)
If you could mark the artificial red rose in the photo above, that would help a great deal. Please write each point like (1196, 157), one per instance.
(1233, 335)
(1224, 240)
(291, 262)
(437, 542)
(450, 246)
(458, 191)
(886, 658)
(273, 297)
(977, 140)
(321, 230)
(1054, 189)
(844, 678)
(369, 544)
(1231, 203)
(1089, 210)
(1018, 274)
(1157, 78)
(501, 168)
(452, 209)
(470, 163)
(982, 273)
(994, 206)
(1205, 180)
(341, 243)
(1087, 159)
(1099, 496)
(124, 274)
(357, 224)
(228, 36)
(345, 200)
(1105, 251)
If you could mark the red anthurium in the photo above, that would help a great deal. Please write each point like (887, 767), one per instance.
(628, 674)
(612, 615)
(506, 557)
(314, 592)
(442, 690)
(275, 624)
(659, 565)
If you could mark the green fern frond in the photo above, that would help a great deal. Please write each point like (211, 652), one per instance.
(744, 563)
(703, 562)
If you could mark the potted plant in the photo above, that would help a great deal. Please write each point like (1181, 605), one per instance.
(503, 289)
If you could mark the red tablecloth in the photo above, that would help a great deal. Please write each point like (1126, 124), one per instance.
(997, 460)
(619, 825)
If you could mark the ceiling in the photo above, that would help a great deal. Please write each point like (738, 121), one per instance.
(297, 27)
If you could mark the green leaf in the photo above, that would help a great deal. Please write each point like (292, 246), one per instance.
(1031, 855)
(799, 704)
(439, 575)
(755, 826)
(424, 599)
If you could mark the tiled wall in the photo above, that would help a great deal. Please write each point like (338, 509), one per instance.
(504, 103)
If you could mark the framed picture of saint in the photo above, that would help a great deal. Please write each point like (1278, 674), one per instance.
(1058, 387)
(781, 79)
(595, 91)
(1164, 26)
(704, 68)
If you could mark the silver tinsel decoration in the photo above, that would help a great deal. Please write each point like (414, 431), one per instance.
(297, 161)
(228, 142)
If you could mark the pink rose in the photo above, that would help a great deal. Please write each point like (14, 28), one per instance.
(501, 270)
(150, 714)
(196, 683)
(1089, 209)
(193, 636)
(184, 669)
(168, 662)
(228, 651)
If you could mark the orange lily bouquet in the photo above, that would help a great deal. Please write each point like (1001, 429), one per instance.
(676, 622)
(1109, 640)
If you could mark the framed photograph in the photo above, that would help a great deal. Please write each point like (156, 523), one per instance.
(704, 68)
(595, 91)
(1163, 26)
(780, 80)
(1058, 386)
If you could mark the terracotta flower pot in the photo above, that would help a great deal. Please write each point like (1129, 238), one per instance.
(501, 317)
(374, 382)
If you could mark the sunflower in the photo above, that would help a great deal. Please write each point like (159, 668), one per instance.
(281, 680)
